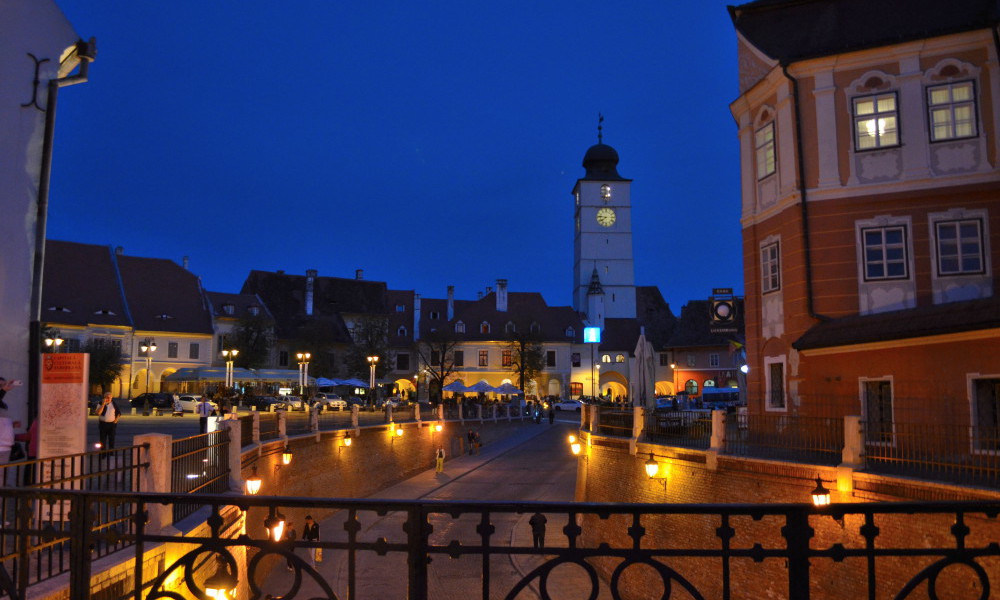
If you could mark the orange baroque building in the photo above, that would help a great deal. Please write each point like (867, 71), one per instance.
(869, 140)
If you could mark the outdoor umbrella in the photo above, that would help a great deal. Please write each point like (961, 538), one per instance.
(507, 388)
(455, 386)
(481, 386)
(324, 382)
(643, 379)
(355, 383)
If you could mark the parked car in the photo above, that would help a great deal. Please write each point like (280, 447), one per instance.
(567, 405)
(355, 401)
(155, 400)
(189, 403)
(392, 402)
(262, 403)
(293, 402)
(330, 401)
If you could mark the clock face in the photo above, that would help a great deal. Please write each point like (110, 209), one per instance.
(606, 217)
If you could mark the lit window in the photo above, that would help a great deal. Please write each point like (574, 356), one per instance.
(484, 358)
(506, 358)
(875, 122)
(691, 387)
(229, 308)
(959, 247)
(254, 310)
(764, 146)
(885, 253)
(620, 358)
(605, 358)
(770, 274)
(952, 111)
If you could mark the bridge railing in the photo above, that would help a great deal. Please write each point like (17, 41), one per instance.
(783, 540)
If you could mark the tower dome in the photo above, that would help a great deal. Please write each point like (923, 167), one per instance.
(601, 163)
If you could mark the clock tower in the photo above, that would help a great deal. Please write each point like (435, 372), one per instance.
(602, 244)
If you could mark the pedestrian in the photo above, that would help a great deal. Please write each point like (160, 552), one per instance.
(476, 441)
(439, 460)
(204, 409)
(552, 415)
(290, 536)
(6, 386)
(537, 522)
(471, 436)
(310, 533)
(107, 421)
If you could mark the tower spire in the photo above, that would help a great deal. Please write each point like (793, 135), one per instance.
(600, 126)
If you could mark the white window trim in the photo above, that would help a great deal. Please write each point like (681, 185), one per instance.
(759, 149)
(768, 361)
(764, 277)
(864, 413)
(970, 378)
(907, 258)
(874, 96)
(951, 106)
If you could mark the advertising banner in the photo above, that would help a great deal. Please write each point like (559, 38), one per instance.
(62, 414)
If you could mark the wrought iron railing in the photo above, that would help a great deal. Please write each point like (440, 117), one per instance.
(451, 411)
(246, 430)
(268, 426)
(684, 428)
(815, 440)
(331, 420)
(739, 542)
(615, 420)
(953, 453)
(297, 423)
(200, 464)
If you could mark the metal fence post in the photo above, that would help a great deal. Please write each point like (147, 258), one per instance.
(417, 530)
(797, 534)
(80, 523)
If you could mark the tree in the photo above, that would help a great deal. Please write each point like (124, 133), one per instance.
(254, 338)
(527, 355)
(371, 338)
(106, 361)
(436, 352)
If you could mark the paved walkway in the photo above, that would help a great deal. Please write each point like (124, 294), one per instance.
(526, 452)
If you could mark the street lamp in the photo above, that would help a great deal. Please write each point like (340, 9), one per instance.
(372, 361)
(55, 342)
(303, 371)
(592, 336)
(820, 495)
(148, 347)
(253, 483)
(230, 356)
(653, 471)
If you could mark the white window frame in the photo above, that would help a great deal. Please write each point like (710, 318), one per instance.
(774, 360)
(459, 327)
(764, 151)
(971, 379)
(948, 108)
(862, 383)
(770, 267)
(884, 249)
(877, 117)
(713, 359)
(980, 241)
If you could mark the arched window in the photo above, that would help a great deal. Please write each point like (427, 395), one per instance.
(484, 327)
(435, 315)
(605, 358)
(709, 383)
(691, 387)
(570, 332)
(510, 327)
(459, 327)
(620, 358)
(536, 328)
(401, 331)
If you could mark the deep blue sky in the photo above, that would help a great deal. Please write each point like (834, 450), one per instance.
(428, 142)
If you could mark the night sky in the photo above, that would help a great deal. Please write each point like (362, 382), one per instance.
(428, 142)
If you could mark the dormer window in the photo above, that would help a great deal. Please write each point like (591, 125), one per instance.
(535, 328)
(59, 309)
(163, 317)
(105, 312)
(229, 308)
(400, 308)
(510, 327)
(484, 327)
(401, 331)
(253, 310)
(459, 327)
(434, 315)
(570, 332)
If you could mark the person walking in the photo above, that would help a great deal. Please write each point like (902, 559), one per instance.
(476, 443)
(471, 437)
(107, 421)
(289, 538)
(552, 415)
(310, 533)
(537, 522)
(204, 410)
(439, 460)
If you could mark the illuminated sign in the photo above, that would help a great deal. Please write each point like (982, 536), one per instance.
(592, 335)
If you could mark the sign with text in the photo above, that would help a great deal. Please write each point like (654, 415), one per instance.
(62, 414)
(592, 335)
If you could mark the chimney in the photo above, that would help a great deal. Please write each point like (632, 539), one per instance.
(310, 285)
(451, 302)
(359, 274)
(279, 272)
(186, 262)
(119, 251)
(501, 295)
(416, 317)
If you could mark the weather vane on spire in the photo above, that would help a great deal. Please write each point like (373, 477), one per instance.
(600, 126)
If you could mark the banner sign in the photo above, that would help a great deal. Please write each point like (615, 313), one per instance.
(62, 414)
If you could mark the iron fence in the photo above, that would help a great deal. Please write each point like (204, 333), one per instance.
(684, 428)
(297, 423)
(952, 453)
(246, 430)
(112, 470)
(815, 440)
(426, 538)
(199, 463)
(451, 411)
(332, 420)
(268, 426)
(405, 414)
(615, 420)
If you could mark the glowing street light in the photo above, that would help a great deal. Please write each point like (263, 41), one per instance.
(303, 371)
(148, 347)
(372, 362)
(230, 356)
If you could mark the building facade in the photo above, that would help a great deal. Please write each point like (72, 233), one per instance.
(871, 208)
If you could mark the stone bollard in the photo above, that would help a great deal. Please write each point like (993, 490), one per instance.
(461, 412)
(718, 443)
(314, 418)
(157, 452)
(235, 456)
(282, 424)
(416, 412)
(440, 412)
(355, 409)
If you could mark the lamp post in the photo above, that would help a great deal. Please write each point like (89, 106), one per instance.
(303, 371)
(230, 356)
(673, 376)
(54, 343)
(148, 347)
(372, 362)
(592, 336)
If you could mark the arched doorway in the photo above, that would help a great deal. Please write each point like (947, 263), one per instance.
(139, 383)
(613, 385)
(691, 387)
(664, 388)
